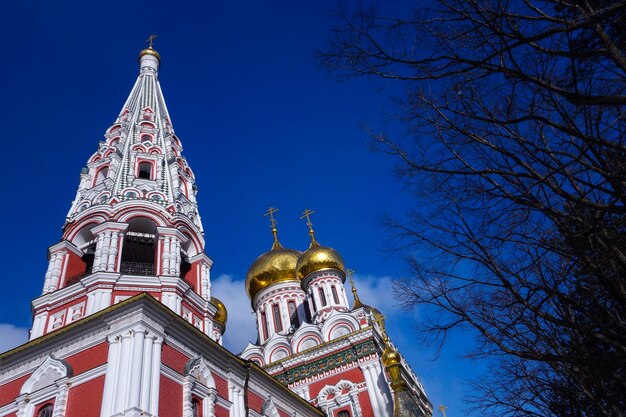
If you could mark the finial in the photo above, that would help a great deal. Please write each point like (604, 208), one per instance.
(150, 39)
(357, 300)
(380, 320)
(443, 409)
(307, 213)
(270, 212)
(149, 58)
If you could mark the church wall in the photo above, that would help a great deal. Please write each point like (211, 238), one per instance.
(173, 358)
(11, 390)
(255, 402)
(221, 411)
(172, 395)
(89, 359)
(192, 276)
(85, 400)
(221, 385)
(75, 266)
(365, 403)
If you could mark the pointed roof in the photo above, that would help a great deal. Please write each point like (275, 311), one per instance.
(141, 159)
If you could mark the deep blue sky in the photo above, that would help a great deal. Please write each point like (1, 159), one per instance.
(260, 124)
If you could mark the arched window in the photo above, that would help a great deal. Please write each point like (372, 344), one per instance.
(307, 311)
(322, 297)
(146, 138)
(343, 413)
(45, 411)
(145, 170)
(335, 296)
(293, 314)
(264, 324)
(138, 250)
(277, 322)
(101, 175)
(195, 407)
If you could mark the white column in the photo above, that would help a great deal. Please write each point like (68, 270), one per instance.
(175, 257)
(97, 259)
(113, 251)
(371, 390)
(165, 256)
(60, 404)
(156, 376)
(122, 383)
(106, 248)
(146, 376)
(134, 389)
(110, 379)
(231, 397)
(383, 397)
(205, 285)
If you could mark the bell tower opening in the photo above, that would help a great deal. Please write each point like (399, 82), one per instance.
(138, 251)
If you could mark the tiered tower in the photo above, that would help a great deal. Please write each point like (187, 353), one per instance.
(134, 224)
(335, 356)
(126, 325)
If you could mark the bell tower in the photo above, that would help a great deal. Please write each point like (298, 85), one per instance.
(133, 226)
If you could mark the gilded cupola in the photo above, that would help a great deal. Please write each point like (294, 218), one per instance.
(276, 265)
(318, 257)
(221, 315)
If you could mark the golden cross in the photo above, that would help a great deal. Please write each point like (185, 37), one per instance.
(307, 213)
(150, 39)
(270, 212)
(380, 319)
(443, 409)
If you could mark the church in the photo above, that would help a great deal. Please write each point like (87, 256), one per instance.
(127, 324)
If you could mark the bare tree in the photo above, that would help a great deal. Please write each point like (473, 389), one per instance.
(514, 114)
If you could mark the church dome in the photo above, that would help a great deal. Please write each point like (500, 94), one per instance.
(317, 258)
(276, 265)
(221, 315)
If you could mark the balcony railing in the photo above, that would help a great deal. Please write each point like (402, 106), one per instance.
(137, 268)
(76, 278)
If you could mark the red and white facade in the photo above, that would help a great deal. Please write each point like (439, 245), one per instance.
(126, 324)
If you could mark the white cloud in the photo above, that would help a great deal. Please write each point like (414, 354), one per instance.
(241, 325)
(11, 336)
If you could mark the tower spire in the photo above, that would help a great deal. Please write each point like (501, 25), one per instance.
(307, 214)
(270, 213)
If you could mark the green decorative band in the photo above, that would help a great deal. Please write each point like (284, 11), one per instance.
(327, 363)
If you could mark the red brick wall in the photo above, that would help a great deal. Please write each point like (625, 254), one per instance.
(221, 385)
(89, 359)
(9, 391)
(255, 402)
(221, 411)
(171, 394)
(85, 400)
(174, 359)
(75, 265)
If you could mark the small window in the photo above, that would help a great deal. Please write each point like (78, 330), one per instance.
(146, 138)
(45, 411)
(322, 297)
(101, 175)
(264, 324)
(145, 170)
(277, 322)
(307, 311)
(293, 313)
(343, 413)
(335, 296)
(195, 407)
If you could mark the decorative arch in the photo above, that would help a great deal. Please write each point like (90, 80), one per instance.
(198, 387)
(338, 324)
(101, 174)
(138, 148)
(49, 371)
(343, 395)
(155, 150)
(269, 409)
(305, 336)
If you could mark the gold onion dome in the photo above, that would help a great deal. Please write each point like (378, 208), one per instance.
(221, 315)
(276, 265)
(150, 51)
(317, 258)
